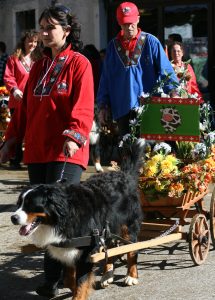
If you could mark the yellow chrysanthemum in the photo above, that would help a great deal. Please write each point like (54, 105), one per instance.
(157, 158)
(172, 159)
(150, 164)
(151, 171)
(166, 166)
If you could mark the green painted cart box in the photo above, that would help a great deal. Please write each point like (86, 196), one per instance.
(171, 119)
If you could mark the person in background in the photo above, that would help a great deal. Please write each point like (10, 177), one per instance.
(92, 53)
(102, 53)
(56, 116)
(184, 70)
(3, 61)
(175, 37)
(16, 75)
(133, 63)
(172, 37)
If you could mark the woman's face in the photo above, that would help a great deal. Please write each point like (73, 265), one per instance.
(53, 35)
(177, 53)
(30, 44)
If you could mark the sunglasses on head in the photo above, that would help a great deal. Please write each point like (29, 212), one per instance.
(63, 8)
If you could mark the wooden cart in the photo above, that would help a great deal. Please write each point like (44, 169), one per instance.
(166, 220)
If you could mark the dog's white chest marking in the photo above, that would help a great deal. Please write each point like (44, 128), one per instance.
(65, 255)
(45, 235)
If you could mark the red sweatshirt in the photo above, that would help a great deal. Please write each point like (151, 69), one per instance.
(192, 85)
(58, 102)
(15, 76)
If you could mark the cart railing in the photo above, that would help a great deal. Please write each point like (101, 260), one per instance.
(184, 202)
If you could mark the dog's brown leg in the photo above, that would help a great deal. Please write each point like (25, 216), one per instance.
(107, 277)
(83, 290)
(70, 279)
(132, 273)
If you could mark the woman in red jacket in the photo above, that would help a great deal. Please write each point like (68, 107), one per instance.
(184, 71)
(15, 78)
(56, 115)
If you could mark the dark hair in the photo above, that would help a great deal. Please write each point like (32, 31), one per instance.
(177, 43)
(175, 37)
(173, 44)
(2, 46)
(20, 47)
(65, 18)
(90, 51)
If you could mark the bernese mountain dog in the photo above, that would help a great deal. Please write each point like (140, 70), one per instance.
(55, 214)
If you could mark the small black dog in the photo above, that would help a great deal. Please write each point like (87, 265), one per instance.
(55, 214)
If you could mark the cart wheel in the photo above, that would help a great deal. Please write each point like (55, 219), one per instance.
(199, 239)
(212, 218)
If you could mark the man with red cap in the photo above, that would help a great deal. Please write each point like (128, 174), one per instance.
(134, 61)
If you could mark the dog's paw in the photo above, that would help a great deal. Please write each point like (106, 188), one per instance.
(106, 283)
(130, 281)
(98, 167)
(106, 279)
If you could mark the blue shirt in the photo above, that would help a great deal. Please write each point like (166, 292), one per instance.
(124, 79)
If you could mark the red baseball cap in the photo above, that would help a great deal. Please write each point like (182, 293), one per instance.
(127, 12)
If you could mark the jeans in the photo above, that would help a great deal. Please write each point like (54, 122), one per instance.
(40, 173)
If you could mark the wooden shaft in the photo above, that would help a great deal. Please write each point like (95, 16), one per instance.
(136, 246)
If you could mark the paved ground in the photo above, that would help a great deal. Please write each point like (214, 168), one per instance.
(166, 271)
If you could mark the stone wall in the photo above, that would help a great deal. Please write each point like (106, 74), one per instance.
(90, 13)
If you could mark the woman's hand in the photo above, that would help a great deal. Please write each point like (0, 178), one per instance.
(18, 95)
(70, 147)
(6, 149)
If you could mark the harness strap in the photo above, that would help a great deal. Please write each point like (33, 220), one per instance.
(95, 240)
(83, 241)
(75, 242)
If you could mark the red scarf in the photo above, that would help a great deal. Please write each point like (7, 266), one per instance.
(128, 45)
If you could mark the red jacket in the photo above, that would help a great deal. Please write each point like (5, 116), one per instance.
(192, 85)
(15, 76)
(58, 102)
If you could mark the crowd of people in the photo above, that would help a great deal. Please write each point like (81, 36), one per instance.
(55, 83)
(130, 65)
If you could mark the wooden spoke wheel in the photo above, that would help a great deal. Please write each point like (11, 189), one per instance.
(199, 239)
(212, 218)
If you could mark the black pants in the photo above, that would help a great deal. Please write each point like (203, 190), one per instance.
(123, 125)
(50, 173)
(123, 128)
(95, 153)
